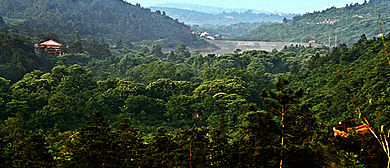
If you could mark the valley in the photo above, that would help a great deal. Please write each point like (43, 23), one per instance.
(109, 83)
(231, 46)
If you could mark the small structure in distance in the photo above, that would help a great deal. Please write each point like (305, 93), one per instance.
(51, 47)
(342, 129)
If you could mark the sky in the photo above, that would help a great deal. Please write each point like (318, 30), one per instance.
(286, 6)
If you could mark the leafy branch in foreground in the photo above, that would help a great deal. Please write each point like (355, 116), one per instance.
(383, 35)
(382, 138)
(381, 135)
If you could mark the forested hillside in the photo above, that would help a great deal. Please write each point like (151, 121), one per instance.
(347, 23)
(349, 78)
(145, 108)
(134, 104)
(228, 23)
(17, 57)
(113, 20)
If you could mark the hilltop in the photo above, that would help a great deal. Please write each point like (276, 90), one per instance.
(227, 22)
(333, 25)
(207, 15)
(112, 20)
(204, 8)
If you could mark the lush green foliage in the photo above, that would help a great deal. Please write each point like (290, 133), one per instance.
(354, 20)
(17, 57)
(112, 19)
(123, 107)
(360, 71)
(2, 23)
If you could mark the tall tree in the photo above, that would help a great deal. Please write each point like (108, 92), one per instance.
(281, 102)
(94, 145)
(157, 50)
(32, 152)
(160, 149)
(258, 145)
(193, 148)
(4, 96)
(130, 145)
(2, 23)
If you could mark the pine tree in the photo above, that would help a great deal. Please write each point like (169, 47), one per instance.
(298, 126)
(281, 103)
(32, 152)
(160, 150)
(130, 145)
(193, 148)
(94, 145)
(2, 23)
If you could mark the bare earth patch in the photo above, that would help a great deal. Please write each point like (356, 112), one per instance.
(226, 46)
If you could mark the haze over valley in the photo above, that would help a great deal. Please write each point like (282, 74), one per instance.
(179, 83)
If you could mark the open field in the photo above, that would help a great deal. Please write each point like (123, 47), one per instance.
(226, 46)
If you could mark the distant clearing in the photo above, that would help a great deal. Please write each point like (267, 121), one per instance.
(226, 46)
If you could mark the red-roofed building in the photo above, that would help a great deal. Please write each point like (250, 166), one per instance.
(50, 46)
(343, 128)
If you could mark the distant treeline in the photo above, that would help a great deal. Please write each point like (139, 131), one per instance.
(331, 26)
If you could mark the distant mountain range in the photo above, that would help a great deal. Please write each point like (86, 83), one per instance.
(112, 20)
(206, 15)
(208, 9)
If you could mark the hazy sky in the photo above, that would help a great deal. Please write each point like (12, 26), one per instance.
(297, 6)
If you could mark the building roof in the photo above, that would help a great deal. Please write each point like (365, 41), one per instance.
(51, 43)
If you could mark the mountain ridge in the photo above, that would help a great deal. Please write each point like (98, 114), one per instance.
(210, 9)
(194, 14)
(331, 26)
(193, 17)
(111, 19)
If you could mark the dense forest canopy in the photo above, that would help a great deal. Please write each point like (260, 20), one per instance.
(135, 105)
(347, 23)
(183, 101)
(111, 19)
